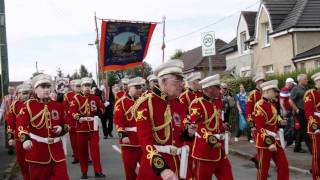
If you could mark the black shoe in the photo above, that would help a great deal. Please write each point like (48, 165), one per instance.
(89, 161)
(105, 137)
(310, 171)
(255, 161)
(300, 151)
(75, 161)
(84, 176)
(99, 175)
(110, 134)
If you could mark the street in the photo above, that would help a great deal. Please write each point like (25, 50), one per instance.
(112, 165)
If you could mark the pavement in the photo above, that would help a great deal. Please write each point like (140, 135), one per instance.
(300, 162)
(240, 152)
(7, 161)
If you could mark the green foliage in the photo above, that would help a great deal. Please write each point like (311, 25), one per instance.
(114, 77)
(233, 83)
(177, 54)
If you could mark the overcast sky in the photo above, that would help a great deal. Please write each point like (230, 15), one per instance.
(56, 33)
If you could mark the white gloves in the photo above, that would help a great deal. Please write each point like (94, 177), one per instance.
(57, 129)
(27, 145)
(11, 142)
(106, 104)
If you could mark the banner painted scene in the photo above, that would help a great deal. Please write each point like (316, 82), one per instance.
(124, 44)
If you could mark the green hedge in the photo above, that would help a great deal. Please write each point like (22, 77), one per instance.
(233, 83)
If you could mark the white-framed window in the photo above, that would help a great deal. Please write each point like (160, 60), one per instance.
(268, 69)
(317, 64)
(287, 68)
(243, 38)
(302, 66)
(265, 34)
(246, 73)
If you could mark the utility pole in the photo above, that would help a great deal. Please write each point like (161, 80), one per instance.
(100, 72)
(163, 36)
(3, 51)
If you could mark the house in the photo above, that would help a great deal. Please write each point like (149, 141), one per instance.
(287, 35)
(239, 58)
(193, 60)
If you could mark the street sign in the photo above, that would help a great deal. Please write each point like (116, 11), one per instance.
(208, 44)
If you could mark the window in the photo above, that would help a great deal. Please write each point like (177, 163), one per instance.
(317, 64)
(243, 39)
(265, 34)
(246, 73)
(268, 69)
(287, 68)
(302, 66)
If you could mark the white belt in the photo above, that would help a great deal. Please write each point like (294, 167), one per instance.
(95, 120)
(87, 119)
(131, 129)
(184, 155)
(218, 136)
(273, 134)
(45, 140)
(317, 114)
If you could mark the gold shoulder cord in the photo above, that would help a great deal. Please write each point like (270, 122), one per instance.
(207, 120)
(274, 119)
(165, 125)
(45, 116)
(85, 106)
(13, 108)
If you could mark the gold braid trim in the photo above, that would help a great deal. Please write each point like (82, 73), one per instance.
(165, 125)
(208, 120)
(85, 106)
(45, 116)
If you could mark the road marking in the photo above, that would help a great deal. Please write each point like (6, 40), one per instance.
(116, 148)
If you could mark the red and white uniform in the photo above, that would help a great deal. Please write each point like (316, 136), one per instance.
(12, 131)
(35, 122)
(86, 107)
(126, 127)
(68, 98)
(267, 121)
(312, 111)
(209, 160)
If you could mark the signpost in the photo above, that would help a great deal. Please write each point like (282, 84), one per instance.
(208, 47)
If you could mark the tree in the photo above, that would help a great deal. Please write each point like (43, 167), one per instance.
(75, 75)
(177, 54)
(59, 72)
(83, 71)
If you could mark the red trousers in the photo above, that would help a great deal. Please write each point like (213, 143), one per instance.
(91, 139)
(205, 169)
(51, 171)
(279, 158)
(315, 156)
(130, 157)
(24, 166)
(73, 142)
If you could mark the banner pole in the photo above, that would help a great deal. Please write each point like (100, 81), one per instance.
(100, 76)
(163, 36)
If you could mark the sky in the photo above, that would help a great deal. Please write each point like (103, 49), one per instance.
(56, 33)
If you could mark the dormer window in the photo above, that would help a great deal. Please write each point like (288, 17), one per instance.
(265, 34)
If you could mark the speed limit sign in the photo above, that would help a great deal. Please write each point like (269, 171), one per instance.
(208, 44)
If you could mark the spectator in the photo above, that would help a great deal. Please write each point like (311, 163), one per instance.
(107, 117)
(227, 101)
(297, 104)
(286, 110)
(241, 99)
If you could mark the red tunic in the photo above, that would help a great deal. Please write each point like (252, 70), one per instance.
(85, 106)
(124, 119)
(208, 115)
(253, 98)
(15, 108)
(158, 123)
(189, 95)
(312, 109)
(119, 95)
(68, 98)
(39, 118)
(266, 119)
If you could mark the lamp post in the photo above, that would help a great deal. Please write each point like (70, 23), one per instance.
(3, 51)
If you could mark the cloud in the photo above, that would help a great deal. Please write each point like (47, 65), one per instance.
(56, 32)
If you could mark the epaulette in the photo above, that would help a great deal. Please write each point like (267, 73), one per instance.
(120, 100)
(311, 91)
(139, 102)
